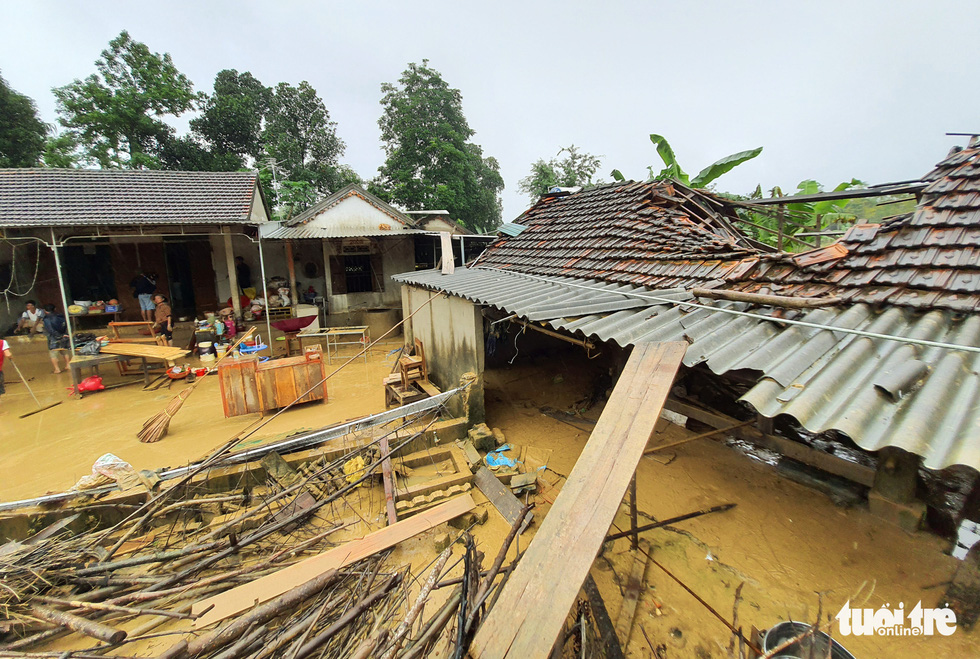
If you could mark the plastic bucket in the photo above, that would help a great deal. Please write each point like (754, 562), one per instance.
(205, 348)
(785, 631)
(221, 350)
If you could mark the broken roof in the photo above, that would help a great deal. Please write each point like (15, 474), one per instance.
(894, 365)
(35, 197)
(622, 232)
(662, 235)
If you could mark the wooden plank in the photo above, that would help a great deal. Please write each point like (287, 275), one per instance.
(388, 482)
(502, 498)
(144, 350)
(535, 601)
(234, 601)
(794, 450)
(607, 633)
(428, 387)
(236, 392)
(624, 622)
(250, 386)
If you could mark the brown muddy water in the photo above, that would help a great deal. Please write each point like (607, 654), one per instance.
(51, 450)
(788, 544)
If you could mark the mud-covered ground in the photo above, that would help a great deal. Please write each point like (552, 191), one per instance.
(784, 541)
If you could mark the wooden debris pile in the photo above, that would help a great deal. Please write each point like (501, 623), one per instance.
(111, 590)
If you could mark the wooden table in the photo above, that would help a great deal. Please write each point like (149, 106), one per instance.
(334, 334)
(100, 316)
(94, 361)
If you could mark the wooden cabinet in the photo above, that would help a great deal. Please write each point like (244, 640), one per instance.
(249, 386)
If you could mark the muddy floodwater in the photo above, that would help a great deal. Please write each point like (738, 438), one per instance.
(793, 549)
(51, 450)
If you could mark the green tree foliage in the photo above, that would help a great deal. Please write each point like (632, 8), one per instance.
(188, 153)
(798, 217)
(575, 169)
(430, 162)
(231, 117)
(116, 114)
(22, 133)
(304, 147)
(672, 169)
(61, 150)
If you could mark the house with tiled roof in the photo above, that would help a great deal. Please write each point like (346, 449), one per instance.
(99, 228)
(865, 351)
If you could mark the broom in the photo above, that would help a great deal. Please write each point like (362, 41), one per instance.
(155, 428)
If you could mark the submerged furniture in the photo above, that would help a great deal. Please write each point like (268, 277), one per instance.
(79, 362)
(409, 378)
(138, 332)
(335, 334)
(248, 385)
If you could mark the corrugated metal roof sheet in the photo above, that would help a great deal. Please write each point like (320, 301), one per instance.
(511, 229)
(86, 197)
(826, 380)
(302, 231)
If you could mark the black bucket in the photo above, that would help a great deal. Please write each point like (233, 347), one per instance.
(784, 631)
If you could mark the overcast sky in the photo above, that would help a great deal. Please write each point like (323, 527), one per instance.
(832, 90)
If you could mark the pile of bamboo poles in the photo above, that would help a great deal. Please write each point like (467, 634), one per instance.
(120, 585)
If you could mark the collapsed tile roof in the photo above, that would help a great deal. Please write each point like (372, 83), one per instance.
(914, 279)
(662, 235)
(35, 197)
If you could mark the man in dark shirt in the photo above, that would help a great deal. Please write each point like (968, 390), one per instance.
(144, 286)
(243, 272)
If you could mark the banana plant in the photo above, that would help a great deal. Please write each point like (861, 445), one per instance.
(672, 169)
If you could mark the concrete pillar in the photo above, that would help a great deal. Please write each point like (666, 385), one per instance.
(291, 266)
(892, 497)
(327, 281)
(407, 333)
(236, 303)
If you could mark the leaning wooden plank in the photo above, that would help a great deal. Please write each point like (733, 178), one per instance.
(502, 499)
(624, 623)
(535, 602)
(236, 600)
(607, 634)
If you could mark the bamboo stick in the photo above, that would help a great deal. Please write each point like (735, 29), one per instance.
(79, 624)
(703, 435)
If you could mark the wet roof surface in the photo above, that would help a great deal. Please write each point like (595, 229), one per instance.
(73, 197)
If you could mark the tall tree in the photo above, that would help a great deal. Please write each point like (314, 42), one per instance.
(575, 169)
(116, 114)
(22, 133)
(303, 144)
(231, 117)
(431, 164)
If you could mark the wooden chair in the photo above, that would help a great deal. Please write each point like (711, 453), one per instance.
(413, 367)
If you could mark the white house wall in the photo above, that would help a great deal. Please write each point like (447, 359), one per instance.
(354, 216)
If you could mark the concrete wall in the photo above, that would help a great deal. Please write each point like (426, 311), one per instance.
(397, 256)
(451, 331)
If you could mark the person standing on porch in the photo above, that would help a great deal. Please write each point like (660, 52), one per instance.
(164, 318)
(243, 273)
(144, 286)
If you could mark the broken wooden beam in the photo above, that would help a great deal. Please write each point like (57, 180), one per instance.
(502, 498)
(234, 601)
(535, 602)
